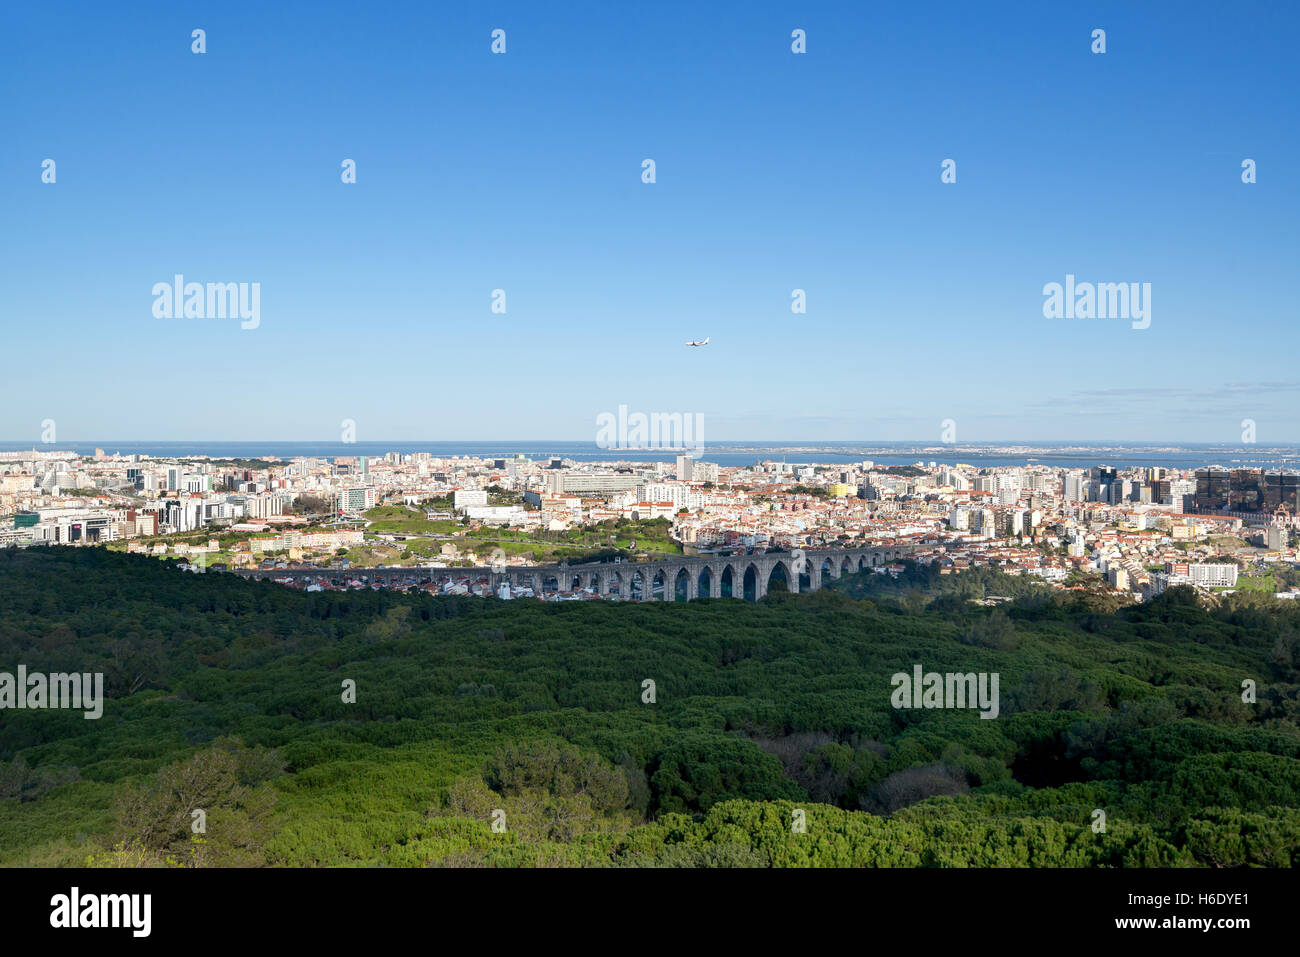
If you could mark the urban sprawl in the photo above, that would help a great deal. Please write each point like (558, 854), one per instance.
(1134, 531)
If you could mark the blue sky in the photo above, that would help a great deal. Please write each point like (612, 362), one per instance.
(775, 171)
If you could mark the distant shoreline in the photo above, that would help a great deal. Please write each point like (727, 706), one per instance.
(729, 454)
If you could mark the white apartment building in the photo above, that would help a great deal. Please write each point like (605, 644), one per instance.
(704, 472)
(359, 499)
(663, 492)
(1213, 576)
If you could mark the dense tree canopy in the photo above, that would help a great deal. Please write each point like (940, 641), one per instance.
(491, 733)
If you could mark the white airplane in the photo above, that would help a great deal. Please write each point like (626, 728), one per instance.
(703, 342)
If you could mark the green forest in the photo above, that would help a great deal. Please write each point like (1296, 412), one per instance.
(390, 729)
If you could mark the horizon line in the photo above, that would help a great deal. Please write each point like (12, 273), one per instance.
(916, 443)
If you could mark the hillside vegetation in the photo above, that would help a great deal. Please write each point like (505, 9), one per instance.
(771, 740)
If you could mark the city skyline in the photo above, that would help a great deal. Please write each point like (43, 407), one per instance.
(775, 172)
(444, 518)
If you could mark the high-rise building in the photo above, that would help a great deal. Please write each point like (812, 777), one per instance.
(1182, 494)
(1074, 486)
(1120, 491)
(947, 477)
(1236, 490)
(359, 499)
(704, 471)
(1282, 488)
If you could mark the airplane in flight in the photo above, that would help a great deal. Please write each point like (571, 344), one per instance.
(703, 342)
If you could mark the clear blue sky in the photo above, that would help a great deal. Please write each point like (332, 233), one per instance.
(775, 171)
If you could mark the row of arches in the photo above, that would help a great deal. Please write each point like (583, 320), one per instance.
(749, 578)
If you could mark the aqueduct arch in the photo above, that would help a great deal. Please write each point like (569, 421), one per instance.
(683, 577)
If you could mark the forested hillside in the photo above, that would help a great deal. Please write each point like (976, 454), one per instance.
(230, 696)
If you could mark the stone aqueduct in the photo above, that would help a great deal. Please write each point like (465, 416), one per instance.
(703, 576)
